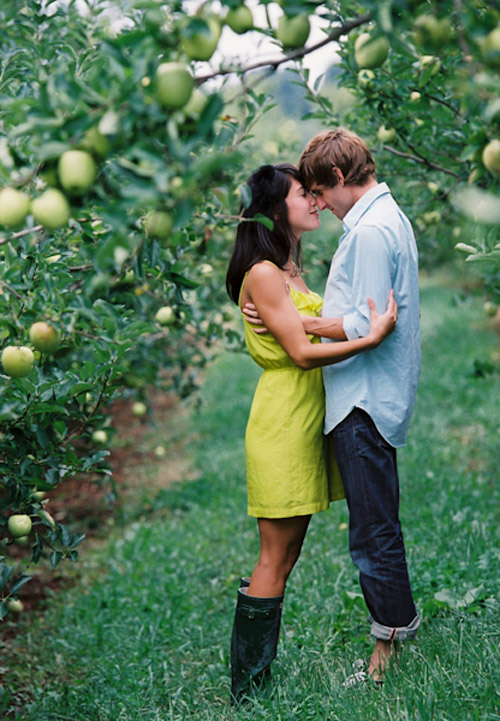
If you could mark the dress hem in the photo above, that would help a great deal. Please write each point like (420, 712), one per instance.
(291, 513)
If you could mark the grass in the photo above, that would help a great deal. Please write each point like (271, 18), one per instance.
(147, 637)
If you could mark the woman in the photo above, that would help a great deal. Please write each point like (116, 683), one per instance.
(290, 471)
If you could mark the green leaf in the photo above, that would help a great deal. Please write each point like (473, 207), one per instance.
(245, 193)
(264, 220)
(19, 583)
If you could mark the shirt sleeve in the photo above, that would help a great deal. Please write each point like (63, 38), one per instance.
(370, 268)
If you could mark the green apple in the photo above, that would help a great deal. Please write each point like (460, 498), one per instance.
(474, 175)
(432, 217)
(415, 96)
(158, 224)
(366, 78)
(15, 605)
(19, 524)
(165, 315)
(239, 19)
(38, 495)
(177, 187)
(154, 18)
(45, 516)
(160, 451)
(429, 30)
(490, 309)
(139, 409)
(77, 171)
(196, 104)
(491, 157)
(199, 36)
(99, 438)
(490, 47)
(292, 32)
(17, 361)
(23, 540)
(433, 187)
(431, 63)
(386, 135)
(173, 84)
(95, 142)
(14, 207)
(45, 337)
(370, 51)
(206, 269)
(51, 209)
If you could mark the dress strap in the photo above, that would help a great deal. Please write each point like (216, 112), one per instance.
(281, 271)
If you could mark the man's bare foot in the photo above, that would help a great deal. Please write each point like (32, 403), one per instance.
(383, 652)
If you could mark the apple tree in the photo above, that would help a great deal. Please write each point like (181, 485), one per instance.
(114, 190)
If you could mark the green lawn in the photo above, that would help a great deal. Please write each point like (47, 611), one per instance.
(149, 639)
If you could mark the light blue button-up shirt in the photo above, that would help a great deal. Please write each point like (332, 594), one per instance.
(377, 252)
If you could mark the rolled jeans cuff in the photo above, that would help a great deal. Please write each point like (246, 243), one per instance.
(401, 633)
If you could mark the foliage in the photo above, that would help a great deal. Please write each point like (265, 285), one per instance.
(149, 638)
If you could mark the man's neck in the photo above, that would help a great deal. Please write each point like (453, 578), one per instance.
(359, 190)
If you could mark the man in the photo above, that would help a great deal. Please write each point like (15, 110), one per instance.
(369, 398)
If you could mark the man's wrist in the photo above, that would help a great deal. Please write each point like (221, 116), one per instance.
(332, 328)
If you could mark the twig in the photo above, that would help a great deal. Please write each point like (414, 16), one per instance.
(296, 54)
(443, 102)
(419, 159)
(20, 234)
(11, 290)
(36, 228)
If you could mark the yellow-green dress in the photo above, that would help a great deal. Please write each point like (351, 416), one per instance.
(291, 468)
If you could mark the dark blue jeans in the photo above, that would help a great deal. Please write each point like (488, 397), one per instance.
(368, 468)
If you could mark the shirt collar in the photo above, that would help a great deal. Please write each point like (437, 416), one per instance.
(361, 206)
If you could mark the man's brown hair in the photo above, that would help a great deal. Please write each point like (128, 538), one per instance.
(338, 148)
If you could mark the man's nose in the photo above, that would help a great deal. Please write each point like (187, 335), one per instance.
(320, 203)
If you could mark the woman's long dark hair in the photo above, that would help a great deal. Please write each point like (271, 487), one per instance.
(254, 242)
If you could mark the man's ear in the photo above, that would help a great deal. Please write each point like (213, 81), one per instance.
(340, 175)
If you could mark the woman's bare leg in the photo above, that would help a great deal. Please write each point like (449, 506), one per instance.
(280, 545)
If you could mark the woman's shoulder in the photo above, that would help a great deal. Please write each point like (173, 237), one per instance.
(264, 270)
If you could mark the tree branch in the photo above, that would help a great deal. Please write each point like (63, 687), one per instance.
(8, 287)
(20, 234)
(296, 54)
(443, 102)
(419, 159)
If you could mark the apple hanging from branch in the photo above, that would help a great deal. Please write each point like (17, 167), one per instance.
(45, 337)
(17, 361)
(14, 207)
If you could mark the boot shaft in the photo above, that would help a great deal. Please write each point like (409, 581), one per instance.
(254, 639)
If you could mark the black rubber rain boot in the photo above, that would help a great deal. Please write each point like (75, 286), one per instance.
(254, 641)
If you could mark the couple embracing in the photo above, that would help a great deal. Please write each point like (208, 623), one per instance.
(337, 392)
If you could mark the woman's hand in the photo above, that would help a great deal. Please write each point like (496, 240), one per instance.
(382, 325)
(252, 316)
